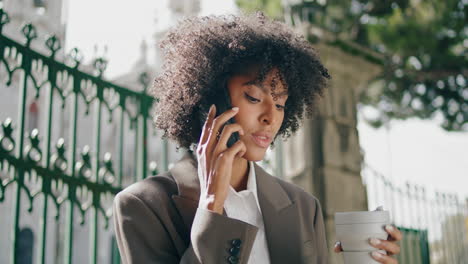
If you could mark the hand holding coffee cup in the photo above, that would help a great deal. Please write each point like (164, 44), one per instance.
(361, 233)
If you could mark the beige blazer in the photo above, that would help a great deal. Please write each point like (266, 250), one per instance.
(157, 220)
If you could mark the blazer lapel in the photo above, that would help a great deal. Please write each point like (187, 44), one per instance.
(279, 215)
(185, 175)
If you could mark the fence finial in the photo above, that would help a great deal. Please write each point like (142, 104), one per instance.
(106, 173)
(58, 160)
(7, 143)
(34, 153)
(100, 65)
(76, 56)
(29, 32)
(144, 80)
(53, 44)
(4, 19)
(83, 167)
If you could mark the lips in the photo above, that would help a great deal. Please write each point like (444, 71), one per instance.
(262, 139)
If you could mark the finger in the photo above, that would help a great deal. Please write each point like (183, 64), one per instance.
(383, 258)
(338, 247)
(204, 157)
(238, 149)
(220, 120)
(379, 208)
(207, 124)
(395, 234)
(222, 164)
(224, 137)
(389, 246)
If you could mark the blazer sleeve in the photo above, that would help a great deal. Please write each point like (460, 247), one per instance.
(143, 238)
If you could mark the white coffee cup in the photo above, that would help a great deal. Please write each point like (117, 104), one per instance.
(361, 257)
(353, 230)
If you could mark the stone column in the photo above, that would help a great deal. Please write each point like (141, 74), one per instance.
(324, 157)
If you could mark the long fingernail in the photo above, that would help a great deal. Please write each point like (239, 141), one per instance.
(337, 244)
(389, 228)
(212, 107)
(377, 254)
(374, 241)
(235, 108)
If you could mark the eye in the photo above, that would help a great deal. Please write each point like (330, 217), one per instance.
(281, 107)
(250, 98)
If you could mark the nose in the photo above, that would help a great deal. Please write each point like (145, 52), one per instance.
(269, 116)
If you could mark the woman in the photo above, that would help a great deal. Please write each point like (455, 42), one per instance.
(216, 205)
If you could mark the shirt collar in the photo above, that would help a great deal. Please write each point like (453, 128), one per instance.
(251, 184)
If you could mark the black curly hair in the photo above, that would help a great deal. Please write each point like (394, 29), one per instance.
(201, 53)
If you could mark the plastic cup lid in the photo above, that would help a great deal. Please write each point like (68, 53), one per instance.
(342, 218)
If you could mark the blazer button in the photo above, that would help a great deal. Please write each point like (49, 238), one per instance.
(236, 242)
(233, 260)
(234, 251)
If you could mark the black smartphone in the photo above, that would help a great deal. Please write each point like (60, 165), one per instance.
(222, 101)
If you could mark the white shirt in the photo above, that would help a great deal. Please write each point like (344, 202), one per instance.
(244, 206)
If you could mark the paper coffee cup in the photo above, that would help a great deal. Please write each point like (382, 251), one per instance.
(360, 257)
(353, 230)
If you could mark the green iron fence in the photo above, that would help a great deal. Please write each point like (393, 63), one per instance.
(434, 224)
(81, 182)
(45, 173)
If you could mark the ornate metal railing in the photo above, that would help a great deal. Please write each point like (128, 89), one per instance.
(83, 181)
(434, 224)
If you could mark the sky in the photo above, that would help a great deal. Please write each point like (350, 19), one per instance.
(118, 28)
(419, 152)
(414, 150)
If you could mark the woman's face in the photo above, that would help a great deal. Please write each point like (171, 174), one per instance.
(259, 114)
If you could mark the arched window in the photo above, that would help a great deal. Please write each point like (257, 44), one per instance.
(25, 246)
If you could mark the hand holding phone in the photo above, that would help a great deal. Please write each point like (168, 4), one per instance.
(215, 159)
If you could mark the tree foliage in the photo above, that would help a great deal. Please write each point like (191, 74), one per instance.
(424, 45)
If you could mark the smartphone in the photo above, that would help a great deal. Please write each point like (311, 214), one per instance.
(222, 101)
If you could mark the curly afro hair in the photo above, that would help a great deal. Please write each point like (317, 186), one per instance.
(201, 53)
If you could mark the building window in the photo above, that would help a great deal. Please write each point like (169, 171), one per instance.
(25, 246)
(39, 3)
